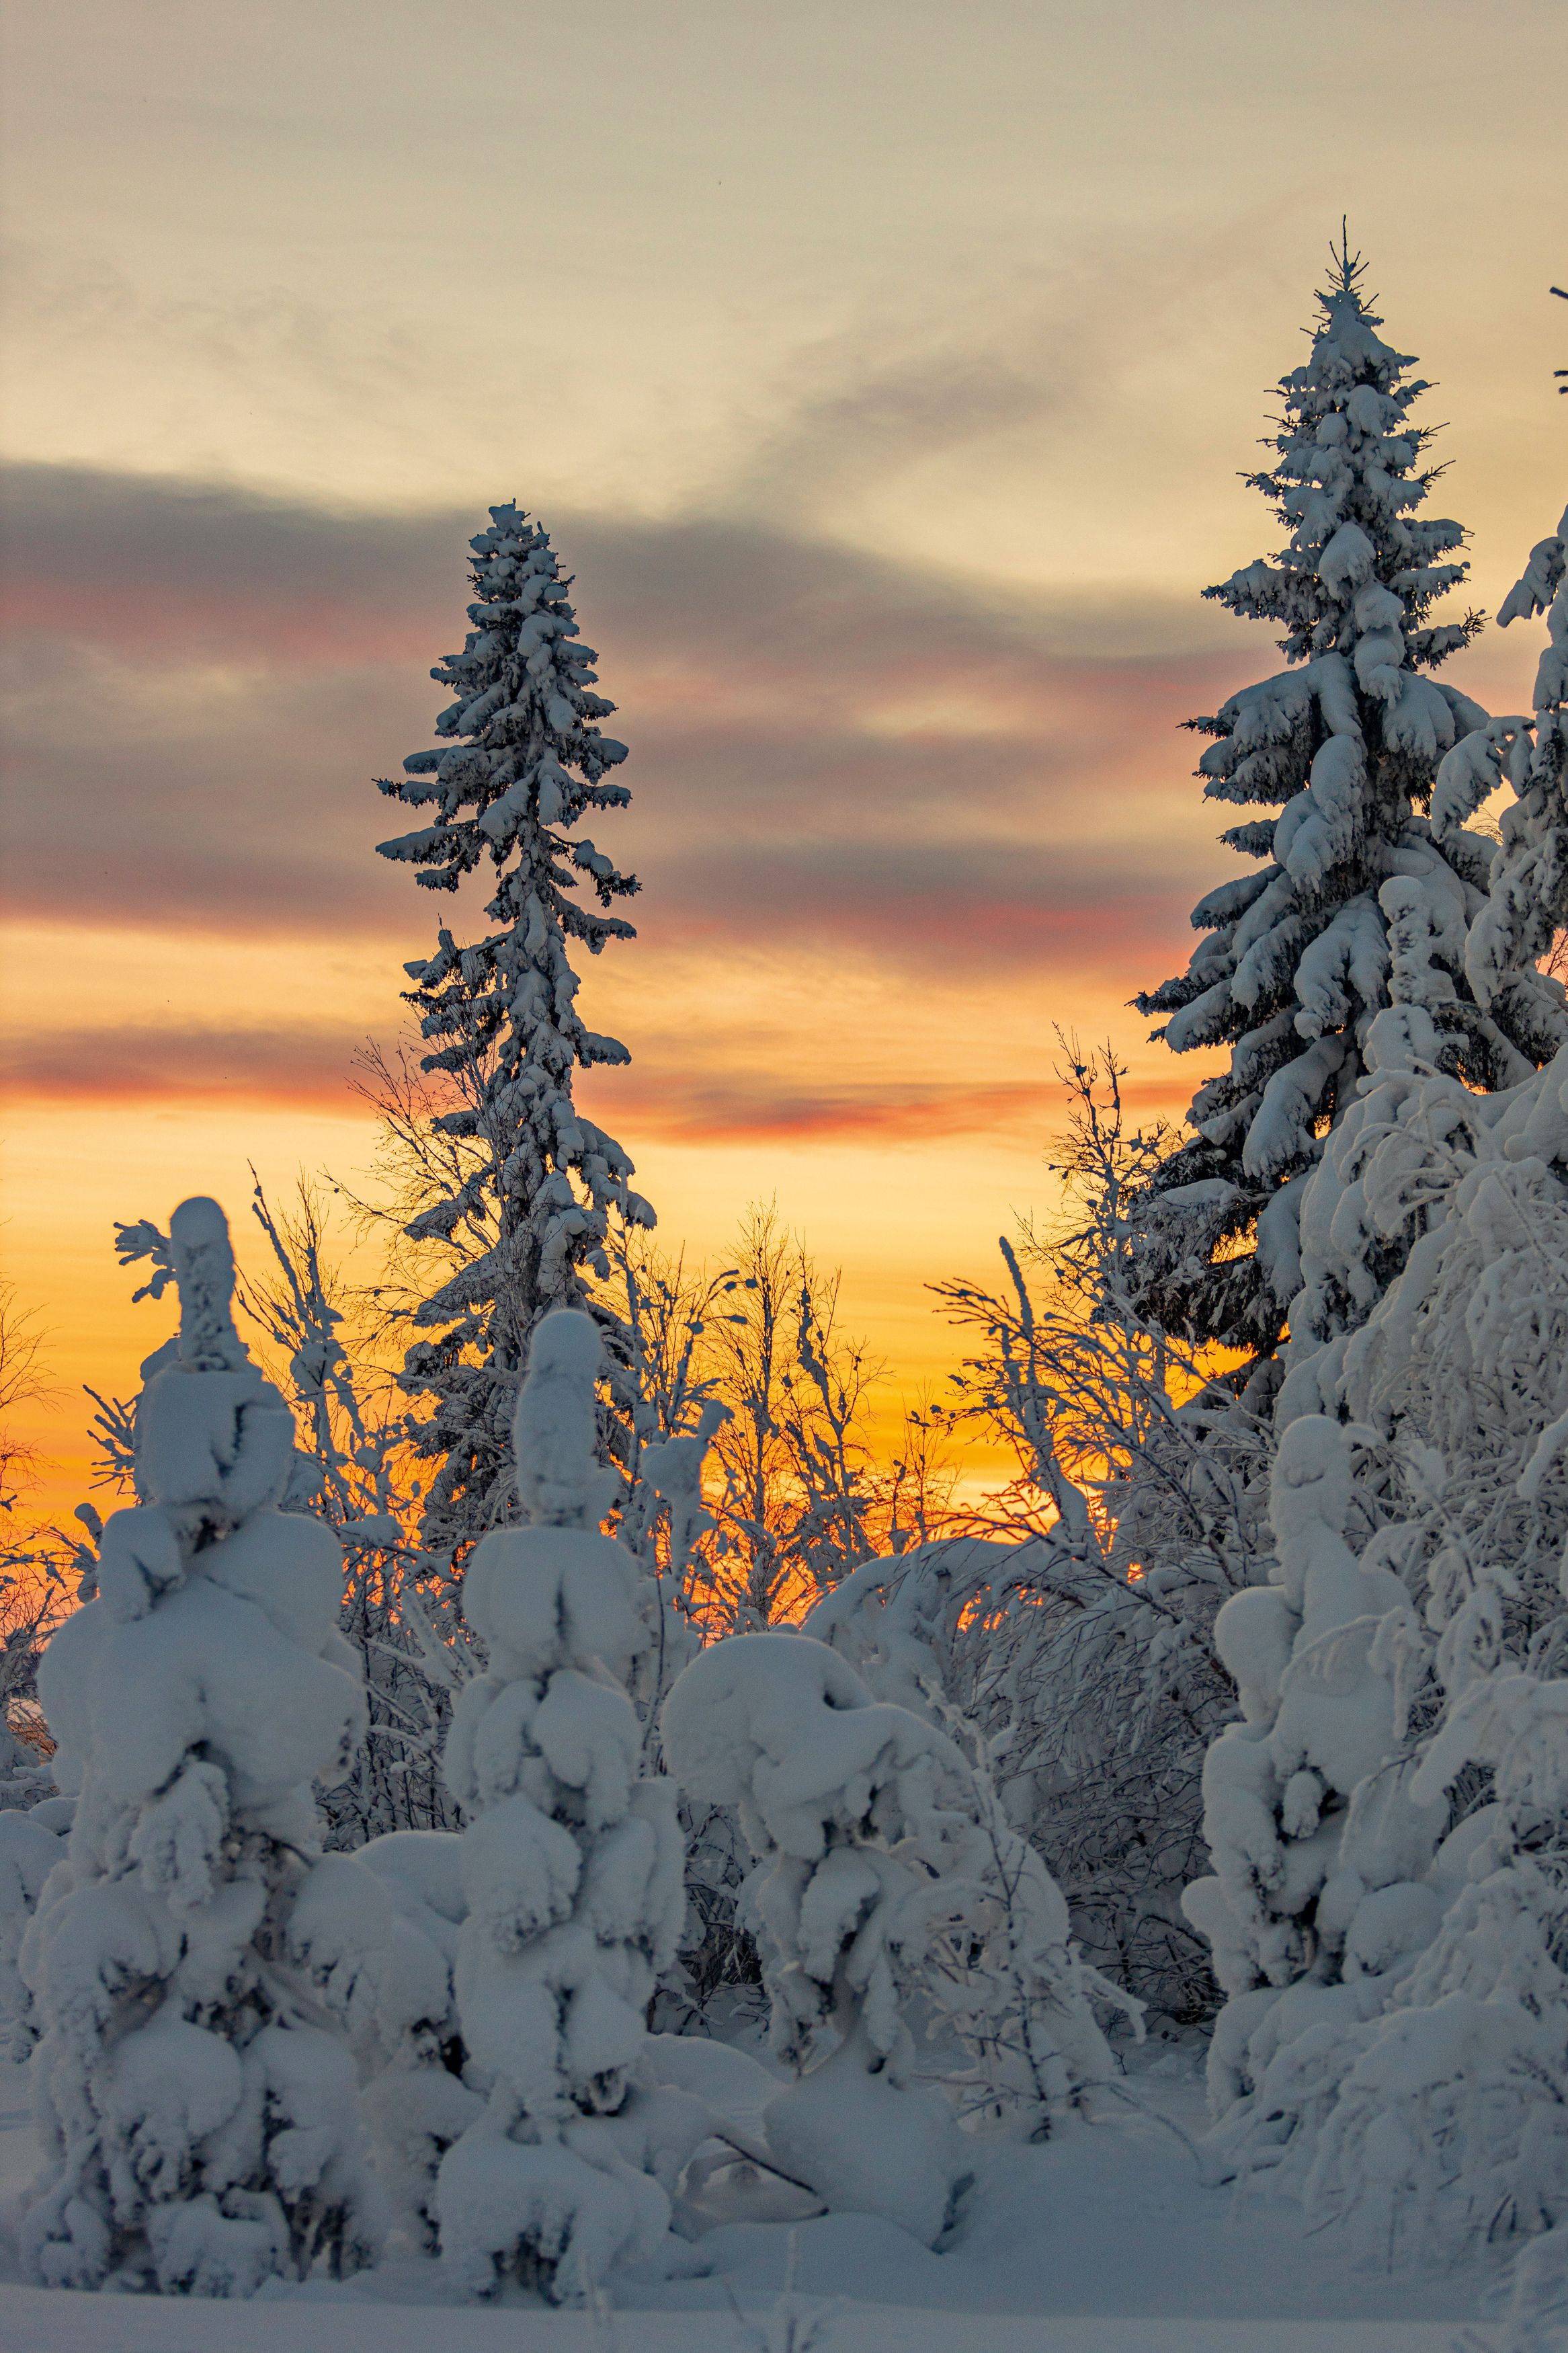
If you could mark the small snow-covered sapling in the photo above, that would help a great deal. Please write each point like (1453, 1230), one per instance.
(199, 2119)
(880, 1857)
(572, 1875)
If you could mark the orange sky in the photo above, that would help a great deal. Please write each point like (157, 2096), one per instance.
(886, 382)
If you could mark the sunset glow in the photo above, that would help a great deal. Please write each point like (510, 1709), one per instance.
(891, 445)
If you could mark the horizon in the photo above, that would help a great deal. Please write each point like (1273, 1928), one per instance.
(890, 481)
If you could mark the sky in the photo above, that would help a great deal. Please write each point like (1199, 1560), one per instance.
(886, 376)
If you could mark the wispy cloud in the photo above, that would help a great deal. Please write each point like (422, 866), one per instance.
(204, 684)
(667, 1094)
(129, 1063)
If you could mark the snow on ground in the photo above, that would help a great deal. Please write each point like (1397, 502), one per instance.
(1101, 2241)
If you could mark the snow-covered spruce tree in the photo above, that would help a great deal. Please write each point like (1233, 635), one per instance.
(1420, 2105)
(354, 1469)
(199, 2122)
(527, 1212)
(1321, 1891)
(572, 1871)
(1428, 2118)
(1426, 2113)
(885, 1873)
(1413, 2091)
(1348, 738)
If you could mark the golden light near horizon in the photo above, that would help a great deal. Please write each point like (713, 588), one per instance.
(887, 383)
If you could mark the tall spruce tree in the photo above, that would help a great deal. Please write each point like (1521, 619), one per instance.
(523, 762)
(1352, 884)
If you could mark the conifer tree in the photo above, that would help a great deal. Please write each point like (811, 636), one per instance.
(1394, 2049)
(1351, 880)
(525, 1215)
(572, 1870)
(198, 2117)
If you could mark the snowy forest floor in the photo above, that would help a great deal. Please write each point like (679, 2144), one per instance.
(1101, 2241)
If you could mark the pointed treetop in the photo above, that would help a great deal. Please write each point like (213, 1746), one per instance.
(1345, 347)
(1347, 267)
(1361, 561)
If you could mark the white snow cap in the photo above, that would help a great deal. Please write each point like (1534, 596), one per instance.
(560, 1481)
(204, 1269)
(214, 1441)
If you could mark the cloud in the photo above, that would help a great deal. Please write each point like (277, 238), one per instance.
(862, 410)
(666, 1094)
(661, 1096)
(131, 1063)
(988, 907)
(203, 684)
(759, 1106)
(145, 564)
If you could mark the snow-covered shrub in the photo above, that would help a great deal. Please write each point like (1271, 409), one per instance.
(572, 1875)
(885, 1872)
(375, 1932)
(24, 1779)
(1137, 1509)
(200, 2123)
(1321, 1851)
(1007, 1978)
(900, 1622)
(828, 1783)
(1072, 1680)
(1449, 2124)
